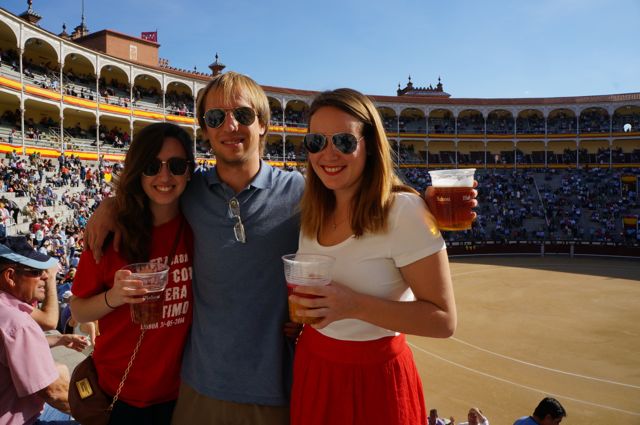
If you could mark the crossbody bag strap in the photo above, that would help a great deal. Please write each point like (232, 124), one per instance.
(126, 371)
(137, 347)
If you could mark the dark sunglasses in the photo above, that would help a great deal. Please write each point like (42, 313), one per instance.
(344, 142)
(216, 116)
(30, 272)
(176, 166)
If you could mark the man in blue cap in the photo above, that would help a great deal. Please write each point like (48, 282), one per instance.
(29, 377)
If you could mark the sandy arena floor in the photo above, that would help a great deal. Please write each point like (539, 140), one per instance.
(535, 326)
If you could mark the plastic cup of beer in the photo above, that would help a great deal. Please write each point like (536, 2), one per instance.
(306, 270)
(453, 189)
(154, 278)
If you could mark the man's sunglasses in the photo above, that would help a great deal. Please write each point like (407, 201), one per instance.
(215, 117)
(176, 166)
(344, 142)
(30, 272)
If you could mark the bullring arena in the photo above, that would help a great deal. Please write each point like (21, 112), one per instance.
(548, 280)
(535, 326)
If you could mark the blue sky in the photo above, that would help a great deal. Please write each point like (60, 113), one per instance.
(483, 49)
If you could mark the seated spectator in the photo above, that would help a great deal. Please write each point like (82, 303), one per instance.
(548, 412)
(433, 418)
(474, 417)
(30, 380)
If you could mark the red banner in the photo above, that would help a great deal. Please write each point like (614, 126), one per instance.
(150, 36)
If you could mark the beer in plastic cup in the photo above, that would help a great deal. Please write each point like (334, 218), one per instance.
(154, 278)
(306, 270)
(453, 189)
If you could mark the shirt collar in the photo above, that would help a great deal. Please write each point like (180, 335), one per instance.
(262, 180)
(9, 300)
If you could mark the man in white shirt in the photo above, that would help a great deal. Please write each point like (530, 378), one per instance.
(475, 417)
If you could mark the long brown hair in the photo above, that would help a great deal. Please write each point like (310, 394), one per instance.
(133, 215)
(373, 199)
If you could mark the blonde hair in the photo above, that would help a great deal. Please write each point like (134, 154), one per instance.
(230, 84)
(371, 204)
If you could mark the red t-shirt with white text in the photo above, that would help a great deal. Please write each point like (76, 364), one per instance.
(155, 374)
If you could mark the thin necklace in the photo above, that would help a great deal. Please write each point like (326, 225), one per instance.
(335, 224)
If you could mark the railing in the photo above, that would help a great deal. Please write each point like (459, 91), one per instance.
(541, 248)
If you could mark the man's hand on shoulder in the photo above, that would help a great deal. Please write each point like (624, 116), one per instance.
(100, 224)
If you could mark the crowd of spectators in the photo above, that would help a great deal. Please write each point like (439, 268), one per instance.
(591, 121)
(295, 118)
(9, 58)
(273, 152)
(594, 121)
(541, 205)
(276, 115)
(562, 123)
(471, 124)
(116, 137)
(57, 198)
(46, 74)
(179, 103)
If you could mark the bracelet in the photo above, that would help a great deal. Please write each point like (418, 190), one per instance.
(106, 301)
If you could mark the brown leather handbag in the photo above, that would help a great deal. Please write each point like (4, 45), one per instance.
(90, 405)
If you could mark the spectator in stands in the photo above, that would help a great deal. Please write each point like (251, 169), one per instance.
(29, 378)
(46, 312)
(434, 419)
(548, 412)
(157, 169)
(391, 274)
(5, 220)
(474, 417)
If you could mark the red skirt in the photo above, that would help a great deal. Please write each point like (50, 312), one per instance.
(355, 382)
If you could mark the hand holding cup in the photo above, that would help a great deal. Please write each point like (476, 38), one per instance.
(451, 197)
(150, 279)
(305, 270)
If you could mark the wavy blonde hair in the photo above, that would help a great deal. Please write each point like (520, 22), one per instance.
(371, 204)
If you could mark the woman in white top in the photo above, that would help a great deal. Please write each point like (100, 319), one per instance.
(391, 275)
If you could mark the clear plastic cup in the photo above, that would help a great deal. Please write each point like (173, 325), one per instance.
(154, 278)
(306, 270)
(453, 189)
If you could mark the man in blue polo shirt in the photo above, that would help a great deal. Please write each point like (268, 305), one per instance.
(237, 363)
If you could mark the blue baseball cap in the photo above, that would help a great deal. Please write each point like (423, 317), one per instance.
(18, 250)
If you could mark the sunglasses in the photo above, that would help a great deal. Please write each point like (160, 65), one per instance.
(29, 272)
(176, 166)
(238, 228)
(215, 117)
(344, 142)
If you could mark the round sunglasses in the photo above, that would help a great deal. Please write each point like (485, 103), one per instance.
(177, 166)
(344, 142)
(215, 117)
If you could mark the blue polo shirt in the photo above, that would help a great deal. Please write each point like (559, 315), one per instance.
(237, 350)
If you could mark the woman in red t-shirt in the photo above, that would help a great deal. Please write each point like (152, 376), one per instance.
(156, 171)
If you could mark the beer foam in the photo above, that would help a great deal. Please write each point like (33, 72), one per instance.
(452, 178)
